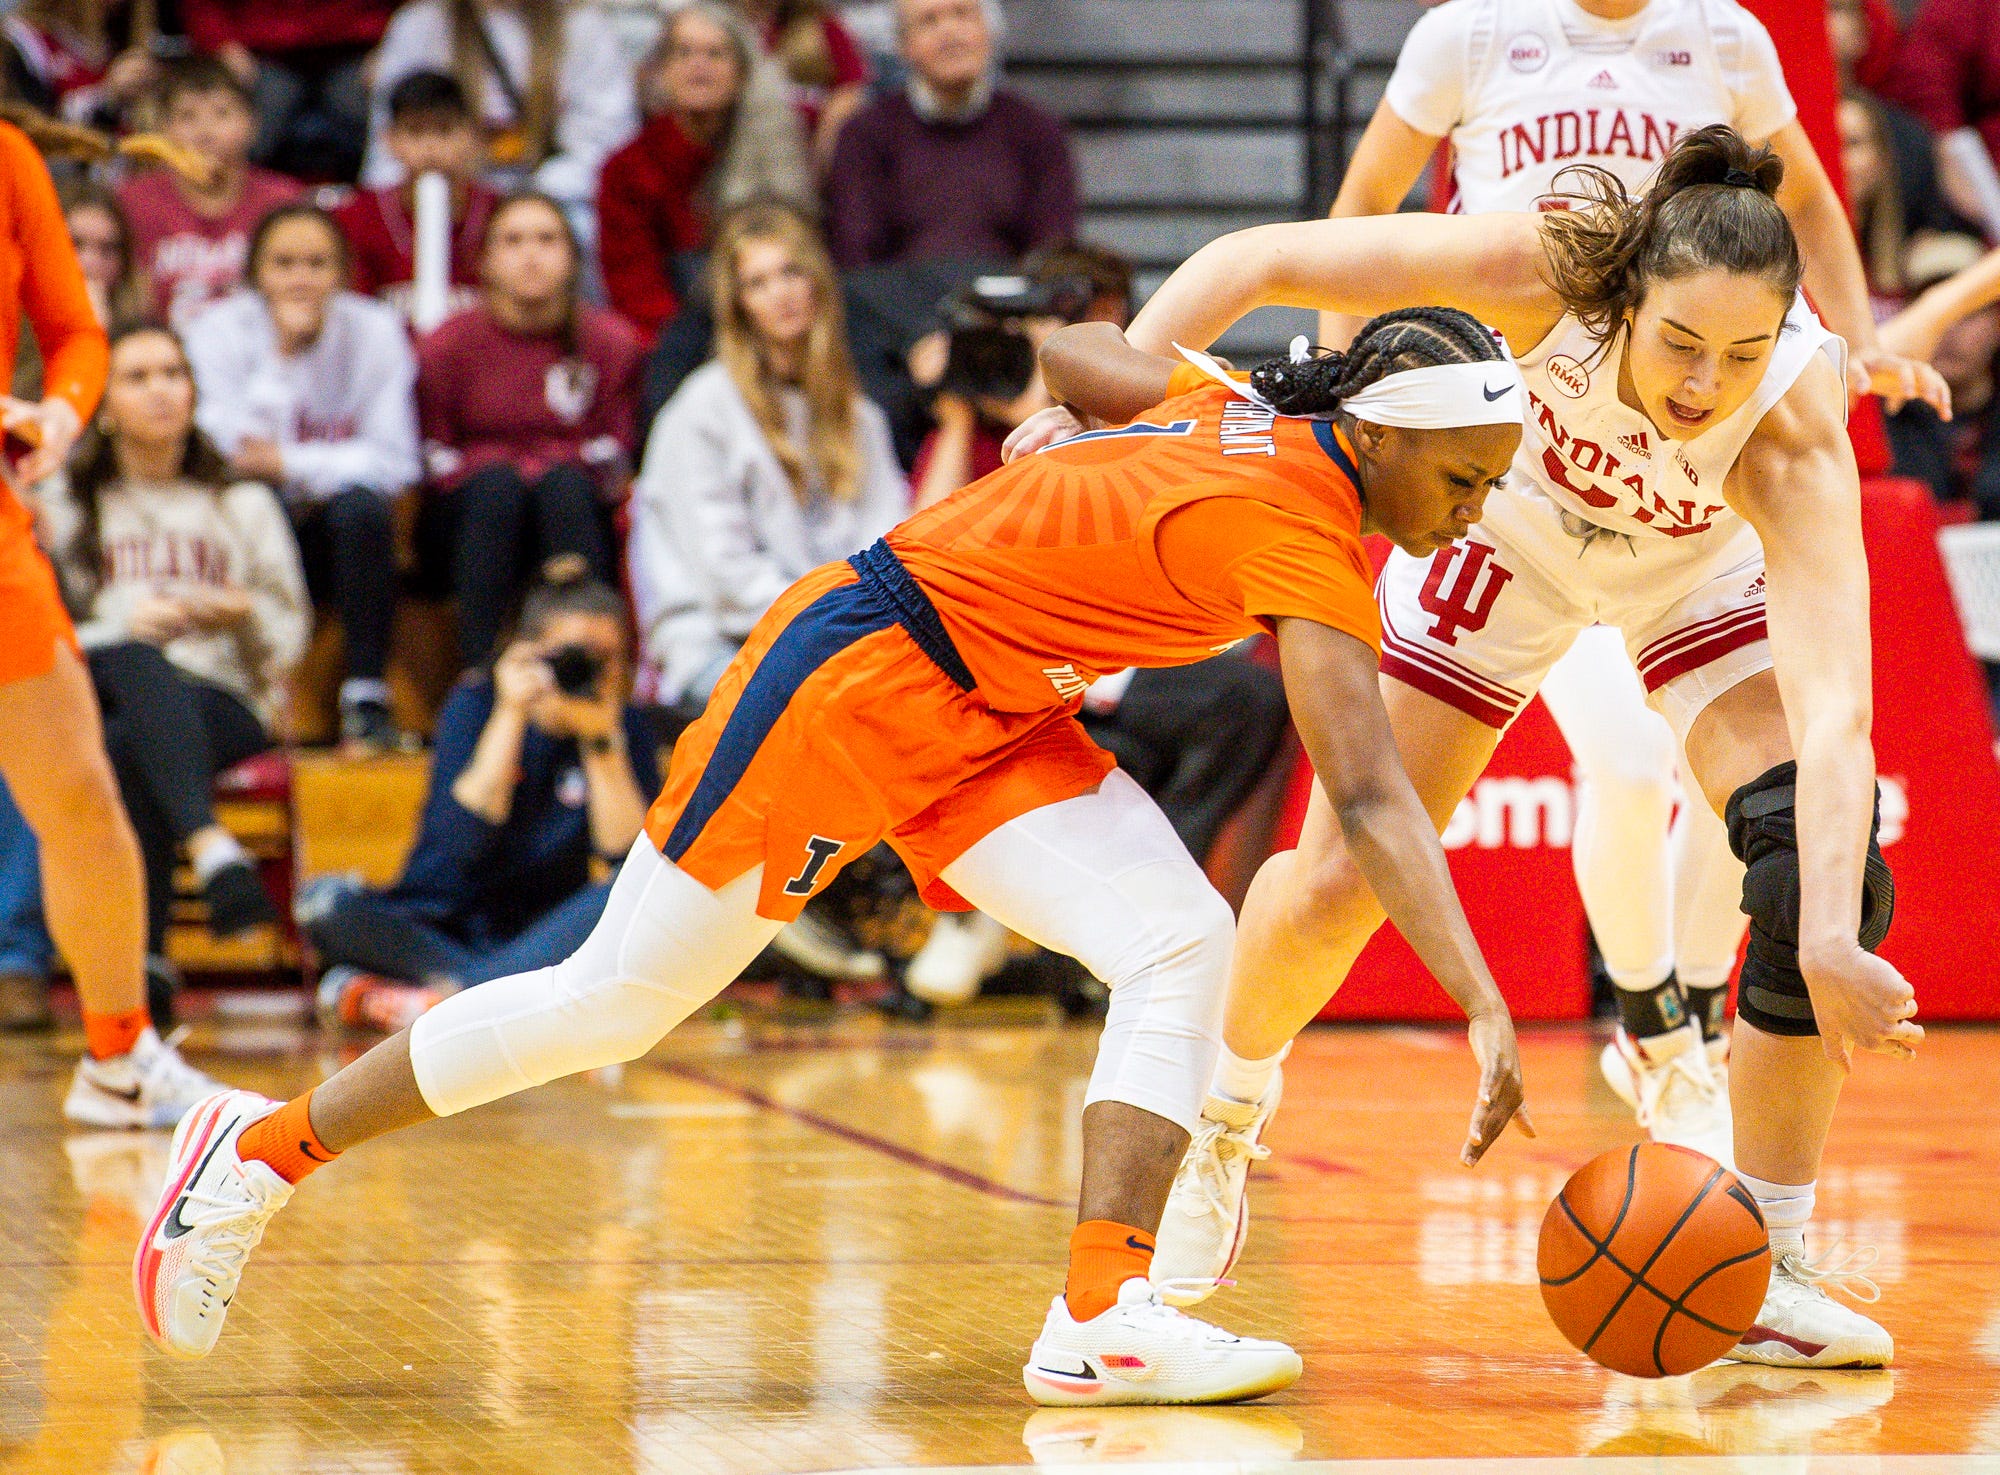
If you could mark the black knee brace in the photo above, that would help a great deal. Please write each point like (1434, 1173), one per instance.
(1764, 836)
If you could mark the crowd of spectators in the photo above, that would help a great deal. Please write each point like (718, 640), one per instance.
(668, 304)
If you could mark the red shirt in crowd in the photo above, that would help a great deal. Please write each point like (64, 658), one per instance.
(1947, 69)
(382, 238)
(192, 258)
(285, 25)
(487, 394)
(649, 210)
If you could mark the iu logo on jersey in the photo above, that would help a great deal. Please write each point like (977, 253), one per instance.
(1462, 600)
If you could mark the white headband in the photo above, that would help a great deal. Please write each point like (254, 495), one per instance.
(1441, 397)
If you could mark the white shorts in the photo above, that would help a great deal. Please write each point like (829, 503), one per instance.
(1479, 624)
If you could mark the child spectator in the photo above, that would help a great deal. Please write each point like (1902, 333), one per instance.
(193, 239)
(828, 72)
(309, 388)
(527, 405)
(541, 765)
(951, 166)
(765, 464)
(546, 80)
(186, 588)
(71, 59)
(431, 131)
(719, 133)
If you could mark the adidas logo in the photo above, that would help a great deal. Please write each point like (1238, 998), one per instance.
(1636, 445)
(1604, 81)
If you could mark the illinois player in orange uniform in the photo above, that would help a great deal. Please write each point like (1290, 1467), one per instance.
(51, 740)
(926, 691)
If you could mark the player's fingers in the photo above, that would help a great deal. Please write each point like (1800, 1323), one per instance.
(1937, 391)
(1836, 1048)
(1525, 1122)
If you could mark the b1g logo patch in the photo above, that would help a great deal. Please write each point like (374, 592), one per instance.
(1527, 52)
(1673, 58)
(1568, 375)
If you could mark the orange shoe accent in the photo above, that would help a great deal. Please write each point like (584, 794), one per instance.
(1103, 1255)
(286, 1141)
(114, 1034)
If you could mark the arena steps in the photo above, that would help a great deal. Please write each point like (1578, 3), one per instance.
(1188, 116)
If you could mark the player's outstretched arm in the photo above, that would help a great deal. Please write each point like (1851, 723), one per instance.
(1796, 483)
(1489, 266)
(1331, 681)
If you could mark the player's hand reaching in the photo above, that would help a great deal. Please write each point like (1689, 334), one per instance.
(1862, 1002)
(1500, 1092)
(1897, 380)
(1043, 428)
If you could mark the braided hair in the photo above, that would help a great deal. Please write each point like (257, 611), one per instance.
(1408, 338)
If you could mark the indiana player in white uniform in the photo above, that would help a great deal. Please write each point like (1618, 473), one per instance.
(1522, 89)
(1685, 478)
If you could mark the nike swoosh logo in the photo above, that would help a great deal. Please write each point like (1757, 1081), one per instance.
(1082, 1370)
(176, 1226)
(305, 1149)
(130, 1093)
(1134, 1242)
(1493, 394)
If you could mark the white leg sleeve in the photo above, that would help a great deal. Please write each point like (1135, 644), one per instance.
(665, 946)
(1103, 878)
(1708, 896)
(1625, 760)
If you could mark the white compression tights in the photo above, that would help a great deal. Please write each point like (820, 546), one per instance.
(1657, 903)
(1102, 877)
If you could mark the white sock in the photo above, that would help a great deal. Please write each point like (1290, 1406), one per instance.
(1246, 1080)
(1786, 1208)
(357, 689)
(221, 851)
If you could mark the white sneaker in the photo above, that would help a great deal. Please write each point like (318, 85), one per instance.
(962, 952)
(1213, 1438)
(1671, 1085)
(150, 1087)
(1800, 1325)
(1144, 1351)
(210, 1216)
(819, 948)
(1208, 1213)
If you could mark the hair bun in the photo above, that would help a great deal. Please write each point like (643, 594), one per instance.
(565, 569)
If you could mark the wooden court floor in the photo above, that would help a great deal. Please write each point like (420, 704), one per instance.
(794, 1243)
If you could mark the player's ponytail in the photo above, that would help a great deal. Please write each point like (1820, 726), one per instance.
(1711, 206)
(1408, 338)
(60, 140)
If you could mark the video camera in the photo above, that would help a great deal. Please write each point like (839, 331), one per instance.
(990, 355)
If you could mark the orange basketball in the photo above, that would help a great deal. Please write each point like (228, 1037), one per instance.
(1654, 1260)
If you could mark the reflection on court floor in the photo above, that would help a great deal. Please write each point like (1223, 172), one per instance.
(791, 1243)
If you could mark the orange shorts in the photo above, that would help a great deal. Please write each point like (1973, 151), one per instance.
(833, 730)
(32, 618)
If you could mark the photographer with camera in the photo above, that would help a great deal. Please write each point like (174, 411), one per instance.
(540, 767)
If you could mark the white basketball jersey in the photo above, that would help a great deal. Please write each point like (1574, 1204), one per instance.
(1542, 85)
(1606, 462)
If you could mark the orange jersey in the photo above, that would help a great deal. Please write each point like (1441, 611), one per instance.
(39, 277)
(1154, 544)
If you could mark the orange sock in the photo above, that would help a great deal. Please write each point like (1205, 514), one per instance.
(1103, 1255)
(114, 1034)
(286, 1141)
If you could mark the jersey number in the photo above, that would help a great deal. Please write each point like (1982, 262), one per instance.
(819, 850)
